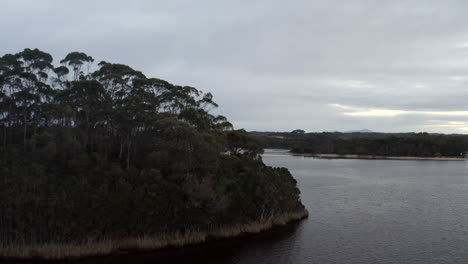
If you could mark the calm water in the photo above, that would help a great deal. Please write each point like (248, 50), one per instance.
(361, 211)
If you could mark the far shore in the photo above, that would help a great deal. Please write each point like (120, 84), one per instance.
(350, 156)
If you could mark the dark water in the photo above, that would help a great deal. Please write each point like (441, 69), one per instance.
(361, 211)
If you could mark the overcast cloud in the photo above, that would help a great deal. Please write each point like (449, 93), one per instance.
(389, 66)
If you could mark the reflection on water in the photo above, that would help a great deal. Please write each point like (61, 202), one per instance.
(361, 211)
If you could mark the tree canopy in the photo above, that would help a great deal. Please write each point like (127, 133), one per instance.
(102, 150)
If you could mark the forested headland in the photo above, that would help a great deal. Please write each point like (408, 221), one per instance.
(372, 144)
(97, 157)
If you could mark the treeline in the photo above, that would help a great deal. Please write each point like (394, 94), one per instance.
(378, 144)
(102, 151)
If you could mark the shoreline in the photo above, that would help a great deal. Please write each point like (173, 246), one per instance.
(353, 156)
(102, 248)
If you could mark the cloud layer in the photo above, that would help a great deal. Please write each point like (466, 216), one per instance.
(277, 65)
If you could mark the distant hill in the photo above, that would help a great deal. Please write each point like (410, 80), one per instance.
(361, 131)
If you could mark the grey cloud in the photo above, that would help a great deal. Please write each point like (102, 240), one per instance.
(273, 65)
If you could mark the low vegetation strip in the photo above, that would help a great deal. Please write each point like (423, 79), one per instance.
(372, 144)
(143, 243)
(349, 156)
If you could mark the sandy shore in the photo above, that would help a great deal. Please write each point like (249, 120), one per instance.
(337, 156)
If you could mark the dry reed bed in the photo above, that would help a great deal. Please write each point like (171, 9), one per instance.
(144, 243)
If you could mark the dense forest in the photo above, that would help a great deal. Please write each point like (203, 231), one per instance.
(377, 144)
(102, 151)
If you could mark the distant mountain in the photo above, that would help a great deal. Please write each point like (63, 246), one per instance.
(360, 131)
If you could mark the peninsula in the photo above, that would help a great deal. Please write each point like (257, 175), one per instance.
(101, 159)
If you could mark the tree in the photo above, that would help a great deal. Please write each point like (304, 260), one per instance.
(76, 60)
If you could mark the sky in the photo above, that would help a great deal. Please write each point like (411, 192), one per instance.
(275, 65)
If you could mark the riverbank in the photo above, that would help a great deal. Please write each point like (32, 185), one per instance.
(144, 243)
(349, 156)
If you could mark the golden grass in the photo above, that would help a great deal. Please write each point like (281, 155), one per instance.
(143, 243)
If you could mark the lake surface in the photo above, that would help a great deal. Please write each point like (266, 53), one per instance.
(361, 211)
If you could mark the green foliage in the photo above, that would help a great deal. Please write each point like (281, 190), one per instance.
(112, 153)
